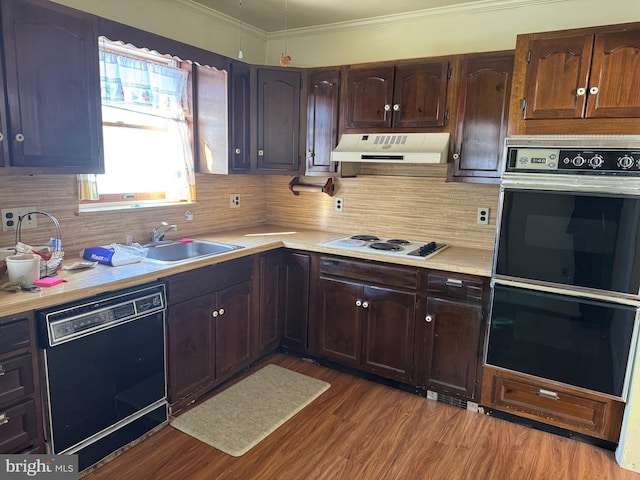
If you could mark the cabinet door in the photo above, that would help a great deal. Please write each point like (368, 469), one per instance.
(388, 333)
(4, 134)
(339, 329)
(211, 88)
(239, 115)
(322, 120)
(452, 346)
(270, 306)
(295, 300)
(558, 69)
(369, 97)
(278, 122)
(615, 72)
(53, 87)
(232, 329)
(482, 114)
(420, 93)
(191, 343)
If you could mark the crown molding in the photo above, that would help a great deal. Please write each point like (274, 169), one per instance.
(482, 6)
(200, 9)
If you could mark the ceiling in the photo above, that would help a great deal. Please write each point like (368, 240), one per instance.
(269, 15)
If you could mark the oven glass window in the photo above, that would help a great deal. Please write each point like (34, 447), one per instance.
(579, 342)
(575, 239)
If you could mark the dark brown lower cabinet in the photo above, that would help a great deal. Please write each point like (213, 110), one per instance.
(210, 316)
(21, 428)
(369, 326)
(449, 335)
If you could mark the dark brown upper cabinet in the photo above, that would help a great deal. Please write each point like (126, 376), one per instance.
(577, 81)
(52, 86)
(482, 113)
(278, 120)
(239, 114)
(322, 120)
(397, 96)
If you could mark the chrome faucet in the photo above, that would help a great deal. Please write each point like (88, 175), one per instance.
(161, 231)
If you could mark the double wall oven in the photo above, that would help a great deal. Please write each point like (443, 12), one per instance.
(566, 275)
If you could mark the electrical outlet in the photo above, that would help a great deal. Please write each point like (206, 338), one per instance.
(483, 216)
(10, 217)
(339, 204)
(234, 200)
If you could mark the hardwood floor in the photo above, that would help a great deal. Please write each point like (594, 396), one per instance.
(358, 430)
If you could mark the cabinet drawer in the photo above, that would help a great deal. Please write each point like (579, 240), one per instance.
(16, 378)
(18, 426)
(14, 335)
(565, 408)
(455, 286)
(370, 273)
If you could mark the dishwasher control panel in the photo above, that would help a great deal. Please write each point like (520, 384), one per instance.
(71, 321)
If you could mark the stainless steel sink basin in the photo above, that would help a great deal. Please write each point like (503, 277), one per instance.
(179, 251)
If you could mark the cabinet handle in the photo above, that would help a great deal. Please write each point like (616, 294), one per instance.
(4, 418)
(310, 154)
(548, 394)
(215, 313)
(221, 311)
(396, 107)
(1, 370)
(581, 92)
(365, 304)
(1, 136)
(261, 153)
(456, 156)
(238, 151)
(19, 137)
(358, 303)
(387, 107)
(453, 282)
(428, 318)
(594, 90)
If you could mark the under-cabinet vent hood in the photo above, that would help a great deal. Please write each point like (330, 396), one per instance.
(392, 148)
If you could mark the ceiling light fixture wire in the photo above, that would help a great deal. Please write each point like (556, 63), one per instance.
(285, 60)
(240, 54)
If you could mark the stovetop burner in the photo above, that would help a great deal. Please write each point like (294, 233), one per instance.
(388, 246)
(365, 238)
(398, 241)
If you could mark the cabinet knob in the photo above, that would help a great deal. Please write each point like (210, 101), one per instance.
(358, 303)
(387, 108)
(261, 153)
(1, 370)
(221, 311)
(594, 90)
(310, 154)
(1, 136)
(19, 137)
(396, 107)
(365, 304)
(4, 418)
(581, 91)
(238, 151)
(456, 156)
(214, 314)
(428, 318)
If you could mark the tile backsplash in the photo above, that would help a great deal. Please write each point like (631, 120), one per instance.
(417, 207)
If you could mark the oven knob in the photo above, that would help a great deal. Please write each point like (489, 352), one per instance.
(596, 161)
(626, 162)
(578, 160)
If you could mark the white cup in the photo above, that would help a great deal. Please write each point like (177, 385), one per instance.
(6, 251)
(23, 269)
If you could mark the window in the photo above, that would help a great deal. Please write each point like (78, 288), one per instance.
(147, 136)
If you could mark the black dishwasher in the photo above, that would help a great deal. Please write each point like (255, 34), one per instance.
(104, 371)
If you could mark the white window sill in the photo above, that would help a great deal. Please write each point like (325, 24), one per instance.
(114, 206)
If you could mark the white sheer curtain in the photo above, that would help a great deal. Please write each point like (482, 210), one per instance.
(135, 88)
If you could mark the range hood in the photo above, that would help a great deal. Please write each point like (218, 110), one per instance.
(392, 148)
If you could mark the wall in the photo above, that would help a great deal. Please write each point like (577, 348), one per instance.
(487, 25)
(57, 195)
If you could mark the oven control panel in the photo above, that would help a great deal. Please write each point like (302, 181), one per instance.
(573, 160)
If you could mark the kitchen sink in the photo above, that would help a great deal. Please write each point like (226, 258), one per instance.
(180, 251)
